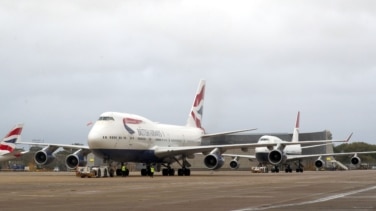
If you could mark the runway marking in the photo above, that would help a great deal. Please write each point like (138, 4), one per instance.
(328, 198)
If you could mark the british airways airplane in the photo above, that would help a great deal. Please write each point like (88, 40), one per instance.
(8, 149)
(287, 151)
(124, 138)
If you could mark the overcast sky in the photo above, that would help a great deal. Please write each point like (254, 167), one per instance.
(63, 63)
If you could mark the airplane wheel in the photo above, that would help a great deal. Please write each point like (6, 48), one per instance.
(111, 173)
(118, 172)
(187, 172)
(180, 172)
(144, 172)
(171, 172)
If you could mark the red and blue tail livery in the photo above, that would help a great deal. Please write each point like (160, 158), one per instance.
(8, 144)
(195, 117)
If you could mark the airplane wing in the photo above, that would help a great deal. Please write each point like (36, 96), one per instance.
(65, 146)
(226, 133)
(314, 143)
(292, 157)
(240, 156)
(189, 150)
(317, 145)
(172, 151)
(295, 157)
(165, 151)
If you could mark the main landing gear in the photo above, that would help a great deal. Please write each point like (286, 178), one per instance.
(171, 172)
(300, 167)
(168, 171)
(288, 169)
(275, 169)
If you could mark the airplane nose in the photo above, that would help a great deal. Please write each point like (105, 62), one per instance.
(94, 137)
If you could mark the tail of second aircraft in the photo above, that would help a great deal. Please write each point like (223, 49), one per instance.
(8, 142)
(295, 134)
(195, 116)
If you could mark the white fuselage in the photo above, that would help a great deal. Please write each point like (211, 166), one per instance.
(263, 152)
(132, 138)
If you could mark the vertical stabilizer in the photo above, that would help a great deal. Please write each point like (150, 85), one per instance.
(295, 134)
(8, 142)
(195, 116)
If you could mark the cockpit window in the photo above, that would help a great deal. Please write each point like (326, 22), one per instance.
(106, 118)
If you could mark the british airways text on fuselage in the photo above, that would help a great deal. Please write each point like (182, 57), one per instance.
(146, 132)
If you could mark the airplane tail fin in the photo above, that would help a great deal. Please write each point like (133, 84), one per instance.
(195, 115)
(8, 142)
(295, 134)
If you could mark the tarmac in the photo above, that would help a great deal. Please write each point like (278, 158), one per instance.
(203, 190)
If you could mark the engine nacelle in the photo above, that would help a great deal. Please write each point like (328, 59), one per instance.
(276, 157)
(45, 156)
(234, 164)
(214, 161)
(78, 158)
(319, 163)
(355, 160)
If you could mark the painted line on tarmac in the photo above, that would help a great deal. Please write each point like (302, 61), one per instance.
(328, 198)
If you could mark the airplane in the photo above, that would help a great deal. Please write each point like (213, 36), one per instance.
(124, 137)
(283, 154)
(8, 149)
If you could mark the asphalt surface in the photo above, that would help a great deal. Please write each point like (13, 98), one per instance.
(203, 190)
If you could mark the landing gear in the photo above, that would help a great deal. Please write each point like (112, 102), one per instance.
(275, 169)
(184, 172)
(168, 171)
(144, 172)
(147, 171)
(299, 168)
(288, 169)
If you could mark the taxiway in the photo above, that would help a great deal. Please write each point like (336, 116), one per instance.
(203, 190)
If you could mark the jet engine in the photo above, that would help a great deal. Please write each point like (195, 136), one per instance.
(355, 160)
(319, 163)
(276, 157)
(214, 161)
(234, 164)
(45, 156)
(78, 158)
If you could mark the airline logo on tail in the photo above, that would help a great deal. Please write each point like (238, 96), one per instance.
(8, 142)
(295, 135)
(198, 107)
